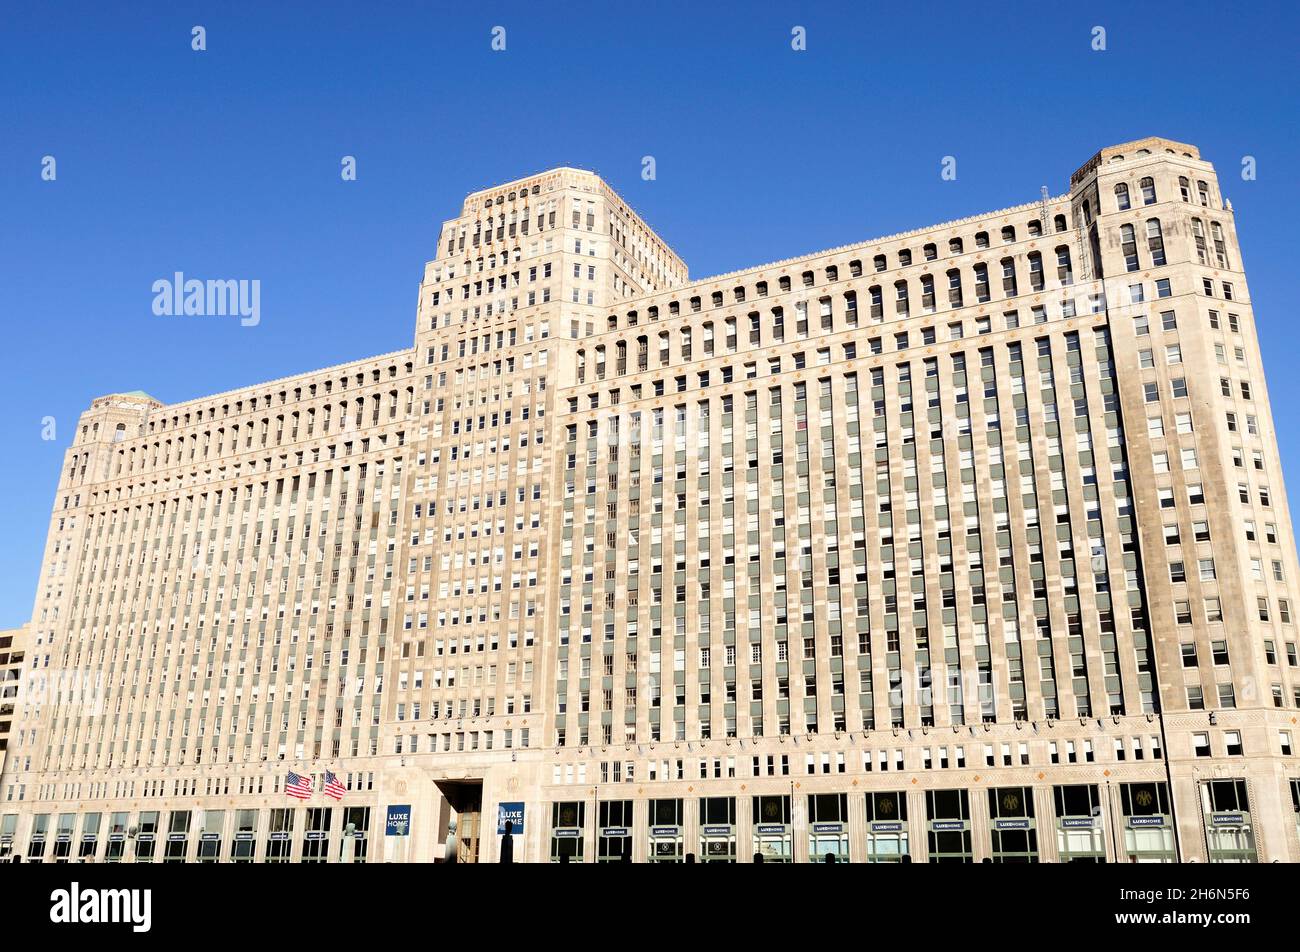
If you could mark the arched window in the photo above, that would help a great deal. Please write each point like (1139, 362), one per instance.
(1035, 271)
(1184, 188)
(1148, 186)
(954, 288)
(1008, 234)
(1064, 271)
(954, 246)
(901, 305)
(1155, 242)
(1009, 277)
(1059, 223)
(1204, 191)
(1128, 245)
(1121, 197)
(1198, 235)
(1220, 247)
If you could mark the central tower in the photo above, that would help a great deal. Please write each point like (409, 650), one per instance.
(525, 271)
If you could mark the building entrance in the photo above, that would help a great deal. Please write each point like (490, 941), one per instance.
(465, 797)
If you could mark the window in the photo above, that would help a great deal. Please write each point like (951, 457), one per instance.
(1155, 242)
(1128, 245)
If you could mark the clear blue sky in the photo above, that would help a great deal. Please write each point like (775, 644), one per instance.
(225, 163)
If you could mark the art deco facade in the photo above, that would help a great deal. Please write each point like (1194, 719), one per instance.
(965, 542)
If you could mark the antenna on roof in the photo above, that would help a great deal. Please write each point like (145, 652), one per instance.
(1042, 208)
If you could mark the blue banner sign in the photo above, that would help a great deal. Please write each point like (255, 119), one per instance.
(399, 820)
(1146, 821)
(514, 812)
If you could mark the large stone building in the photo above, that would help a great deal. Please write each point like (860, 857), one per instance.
(969, 542)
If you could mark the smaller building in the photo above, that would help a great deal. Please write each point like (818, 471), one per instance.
(13, 654)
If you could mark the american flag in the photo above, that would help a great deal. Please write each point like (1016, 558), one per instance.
(332, 786)
(296, 786)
